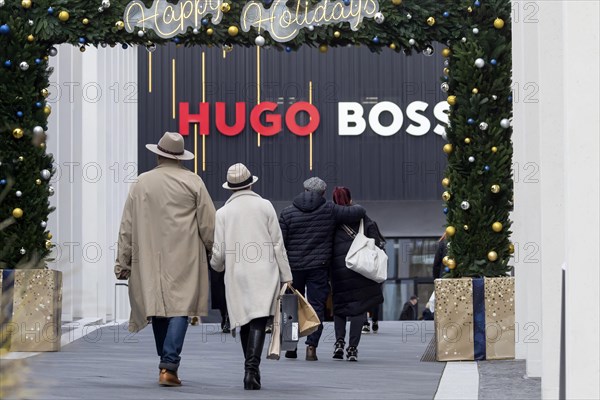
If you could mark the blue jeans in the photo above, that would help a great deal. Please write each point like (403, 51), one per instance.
(169, 334)
(316, 282)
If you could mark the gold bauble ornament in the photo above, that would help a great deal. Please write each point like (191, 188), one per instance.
(18, 133)
(45, 58)
(450, 230)
(225, 7)
(43, 145)
(451, 264)
(337, 34)
(447, 148)
(30, 38)
(323, 48)
(396, 2)
(120, 25)
(492, 256)
(494, 149)
(495, 188)
(497, 226)
(446, 52)
(445, 182)
(48, 245)
(26, 3)
(63, 16)
(85, 21)
(47, 110)
(49, 236)
(470, 9)
(21, 158)
(511, 248)
(210, 31)
(467, 140)
(430, 21)
(466, 227)
(17, 213)
(475, 91)
(393, 46)
(38, 181)
(44, 92)
(446, 71)
(446, 196)
(445, 260)
(498, 23)
(451, 100)
(233, 30)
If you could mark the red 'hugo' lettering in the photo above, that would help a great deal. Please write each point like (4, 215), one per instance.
(271, 127)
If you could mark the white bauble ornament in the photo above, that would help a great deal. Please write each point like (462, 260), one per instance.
(45, 174)
(18, 193)
(412, 42)
(38, 130)
(30, 22)
(379, 18)
(22, 251)
(465, 205)
(464, 40)
(259, 41)
(195, 31)
(475, 31)
(505, 123)
(151, 47)
(408, 16)
(50, 190)
(445, 87)
(105, 3)
(141, 33)
(24, 66)
(483, 126)
(43, 224)
(479, 63)
(471, 159)
(311, 28)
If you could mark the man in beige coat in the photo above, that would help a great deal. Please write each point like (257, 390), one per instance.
(166, 231)
(249, 247)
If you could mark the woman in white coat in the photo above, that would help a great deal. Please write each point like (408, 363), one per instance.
(248, 245)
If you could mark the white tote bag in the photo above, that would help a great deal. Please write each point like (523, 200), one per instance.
(364, 257)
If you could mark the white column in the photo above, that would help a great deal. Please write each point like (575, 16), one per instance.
(581, 152)
(93, 135)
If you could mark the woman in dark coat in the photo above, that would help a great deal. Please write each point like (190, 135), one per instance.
(353, 294)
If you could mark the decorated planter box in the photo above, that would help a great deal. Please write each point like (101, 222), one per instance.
(475, 319)
(31, 306)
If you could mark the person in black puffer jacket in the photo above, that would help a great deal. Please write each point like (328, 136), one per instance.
(308, 226)
(353, 294)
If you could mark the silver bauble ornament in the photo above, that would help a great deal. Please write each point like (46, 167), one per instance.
(494, 97)
(38, 130)
(24, 66)
(475, 31)
(259, 41)
(105, 3)
(445, 87)
(140, 33)
(479, 63)
(471, 159)
(379, 18)
(311, 28)
(464, 40)
(483, 126)
(465, 205)
(428, 51)
(408, 16)
(412, 42)
(30, 22)
(52, 51)
(103, 45)
(43, 224)
(22, 251)
(505, 123)
(1, 3)
(446, 63)
(45, 174)
(151, 47)
(195, 31)
(18, 193)
(51, 190)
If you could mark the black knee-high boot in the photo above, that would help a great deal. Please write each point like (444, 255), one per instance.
(255, 344)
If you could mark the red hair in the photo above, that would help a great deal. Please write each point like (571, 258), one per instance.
(341, 196)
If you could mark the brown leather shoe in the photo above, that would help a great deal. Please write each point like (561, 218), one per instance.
(168, 378)
(311, 353)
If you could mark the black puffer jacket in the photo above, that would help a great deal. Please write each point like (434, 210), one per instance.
(308, 227)
(353, 294)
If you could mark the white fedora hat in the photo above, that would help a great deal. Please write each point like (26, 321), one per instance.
(239, 177)
(171, 146)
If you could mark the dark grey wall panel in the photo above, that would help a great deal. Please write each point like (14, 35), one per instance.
(393, 169)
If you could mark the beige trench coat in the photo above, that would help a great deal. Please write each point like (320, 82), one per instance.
(166, 229)
(249, 247)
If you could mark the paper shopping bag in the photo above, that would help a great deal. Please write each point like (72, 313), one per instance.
(308, 321)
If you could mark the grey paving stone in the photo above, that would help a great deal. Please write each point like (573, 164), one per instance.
(506, 379)
(111, 364)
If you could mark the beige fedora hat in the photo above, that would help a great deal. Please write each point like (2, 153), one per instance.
(171, 146)
(239, 177)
